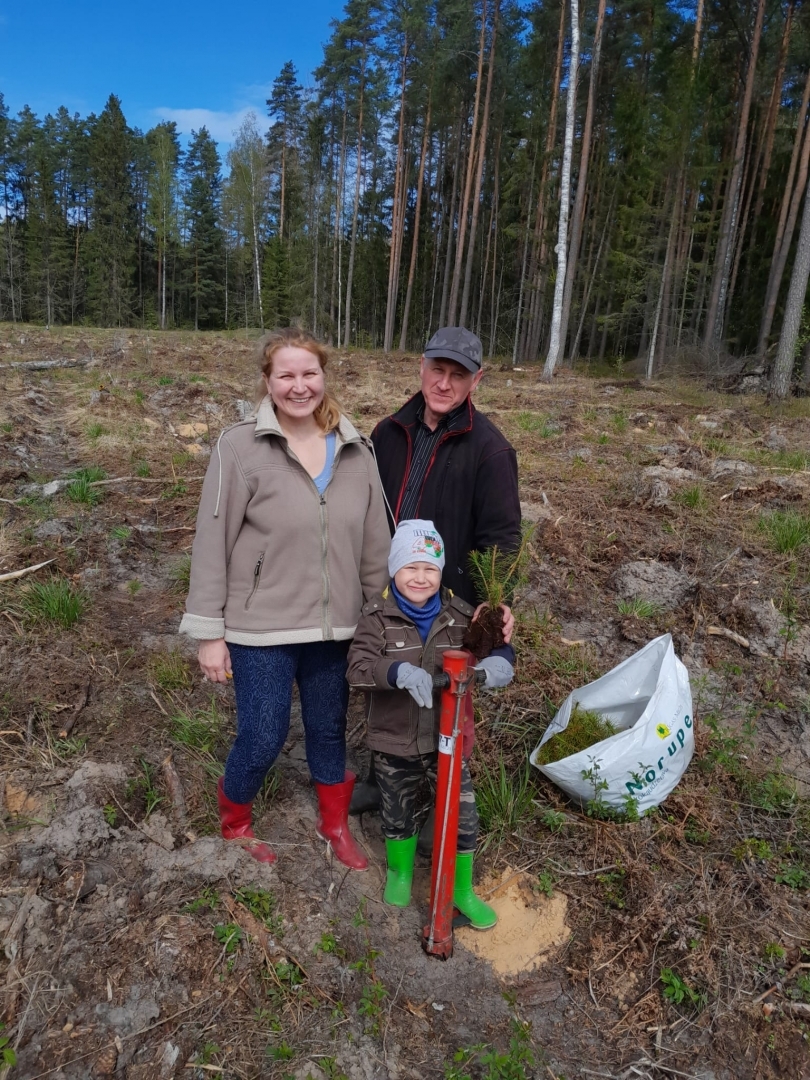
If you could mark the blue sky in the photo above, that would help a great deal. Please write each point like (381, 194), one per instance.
(200, 63)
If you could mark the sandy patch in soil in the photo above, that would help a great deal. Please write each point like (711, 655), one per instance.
(529, 926)
(21, 802)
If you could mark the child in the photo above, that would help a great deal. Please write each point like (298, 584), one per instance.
(398, 646)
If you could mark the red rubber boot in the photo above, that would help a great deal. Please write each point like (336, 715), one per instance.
(234, 820)
(333, 822)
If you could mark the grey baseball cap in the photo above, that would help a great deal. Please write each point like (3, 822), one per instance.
(456, 343)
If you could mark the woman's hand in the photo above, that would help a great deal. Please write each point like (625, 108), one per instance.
(215, 660)
(508, 620)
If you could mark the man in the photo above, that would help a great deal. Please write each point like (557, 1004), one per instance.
(440, 459)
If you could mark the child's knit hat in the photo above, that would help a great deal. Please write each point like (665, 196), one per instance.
(415, 541)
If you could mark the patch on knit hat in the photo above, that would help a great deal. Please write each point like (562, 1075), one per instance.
(415, 541)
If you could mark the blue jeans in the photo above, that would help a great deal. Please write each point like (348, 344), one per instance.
(263, 678)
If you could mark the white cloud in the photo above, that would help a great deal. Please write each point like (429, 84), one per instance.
(221, 125)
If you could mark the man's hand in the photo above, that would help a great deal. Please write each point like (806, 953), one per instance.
(418, 683)
(499, 671)
(508, 620)
(215, 660)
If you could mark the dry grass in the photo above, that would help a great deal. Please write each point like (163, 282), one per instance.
(709, 887)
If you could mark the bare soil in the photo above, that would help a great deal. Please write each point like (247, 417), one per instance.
(137, 944)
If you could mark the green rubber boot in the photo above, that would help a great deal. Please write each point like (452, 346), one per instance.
(400, 855)
(481, 915)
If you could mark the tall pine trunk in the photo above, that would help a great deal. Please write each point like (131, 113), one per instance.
(465, 202)
(794, 306)
(715, 315)
(448, 257)
(773, 113)
(355, 211)
(582, 178)
(482, 146)
(531, 340)
(334, 291)
(403, 337)
(397, 214)
(787, 218)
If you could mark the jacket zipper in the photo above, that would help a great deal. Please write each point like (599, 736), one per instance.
(323, 518)
(257, 577)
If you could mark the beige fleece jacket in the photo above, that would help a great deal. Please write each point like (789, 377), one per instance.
(273, 561)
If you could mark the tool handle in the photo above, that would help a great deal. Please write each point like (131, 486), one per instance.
(442, 680)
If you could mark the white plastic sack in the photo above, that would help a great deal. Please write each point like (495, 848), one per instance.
(648, 698)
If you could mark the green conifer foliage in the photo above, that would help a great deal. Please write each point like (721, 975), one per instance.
(112, 237)
(205, 250)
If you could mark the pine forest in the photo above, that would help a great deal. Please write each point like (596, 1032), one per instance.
(623, 181)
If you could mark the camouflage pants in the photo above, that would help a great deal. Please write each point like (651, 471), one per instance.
(404, 805)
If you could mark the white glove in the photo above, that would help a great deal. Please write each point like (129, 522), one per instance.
(499, 671)
(418, 683)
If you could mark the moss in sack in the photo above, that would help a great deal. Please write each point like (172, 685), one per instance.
(585, 728)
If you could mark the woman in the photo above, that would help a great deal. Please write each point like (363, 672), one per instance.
(291, 538)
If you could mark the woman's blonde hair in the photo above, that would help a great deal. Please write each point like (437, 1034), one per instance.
(327, 415)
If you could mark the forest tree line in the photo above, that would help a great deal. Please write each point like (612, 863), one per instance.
(446, 154)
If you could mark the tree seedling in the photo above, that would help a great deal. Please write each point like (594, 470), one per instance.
(496, 575)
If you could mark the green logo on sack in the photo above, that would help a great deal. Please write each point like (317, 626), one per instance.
(652, 774)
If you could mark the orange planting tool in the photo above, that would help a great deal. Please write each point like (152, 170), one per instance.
(455, 684)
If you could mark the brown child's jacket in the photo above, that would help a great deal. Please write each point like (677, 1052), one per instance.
(386, 636)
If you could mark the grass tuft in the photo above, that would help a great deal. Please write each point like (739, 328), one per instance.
(638, 608)
(180, 573)
(202, 730)
(55, 601)
(694, 497)
(536, 424)
(504, 801)
(169, 670)
(79, 490)
(787, 530)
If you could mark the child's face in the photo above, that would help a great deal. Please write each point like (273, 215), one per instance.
(418, 581)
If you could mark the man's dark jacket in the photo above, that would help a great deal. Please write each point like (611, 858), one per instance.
(470, 491)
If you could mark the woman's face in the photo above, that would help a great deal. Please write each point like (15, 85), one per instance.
(295, 382)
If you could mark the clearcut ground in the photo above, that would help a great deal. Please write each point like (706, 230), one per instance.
(136, 944)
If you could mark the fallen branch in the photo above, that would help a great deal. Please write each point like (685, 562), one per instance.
(581, 873)
(44, 365)
(157, 702)
(11, 942)
(799, 1008)
(780, 984)
(721, 631)
(175, 789)
(83, 698)
(28, 570)
(145, 480)
(175, 528)
(240, 914)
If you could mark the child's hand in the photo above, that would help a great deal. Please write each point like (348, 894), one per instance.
(499, 671)
(418, 683)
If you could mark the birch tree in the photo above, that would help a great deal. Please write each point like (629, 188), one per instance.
(555, 343)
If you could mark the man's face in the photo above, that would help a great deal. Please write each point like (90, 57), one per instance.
(445, 384)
